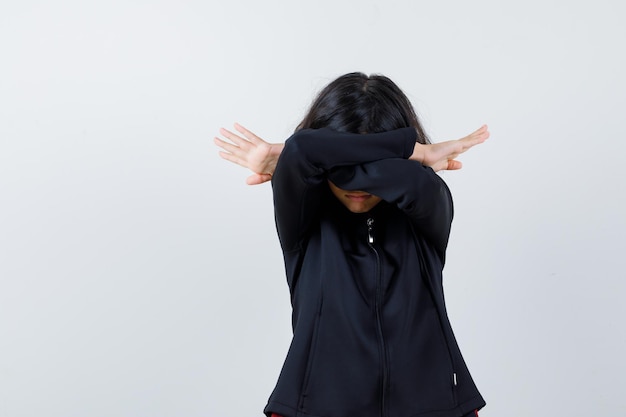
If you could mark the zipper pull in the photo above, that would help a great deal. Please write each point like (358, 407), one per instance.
(370, 234)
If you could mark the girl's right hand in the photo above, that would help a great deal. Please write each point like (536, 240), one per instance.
(250, 152)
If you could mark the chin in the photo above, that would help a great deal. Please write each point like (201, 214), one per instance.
(359, 208)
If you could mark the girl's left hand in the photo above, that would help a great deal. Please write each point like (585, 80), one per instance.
(442, 156)
(250, 151)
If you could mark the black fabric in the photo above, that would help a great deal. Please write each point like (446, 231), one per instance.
(371, 337)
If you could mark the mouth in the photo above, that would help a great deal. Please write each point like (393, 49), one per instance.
(358, 197)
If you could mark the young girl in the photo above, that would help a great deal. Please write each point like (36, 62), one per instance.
(363, 222)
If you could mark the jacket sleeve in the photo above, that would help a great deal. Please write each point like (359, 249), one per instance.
(299, 180)
(414, 188)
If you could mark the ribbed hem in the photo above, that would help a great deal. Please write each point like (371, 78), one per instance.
(469, 406)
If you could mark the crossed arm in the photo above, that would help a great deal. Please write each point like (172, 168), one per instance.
(250, 151)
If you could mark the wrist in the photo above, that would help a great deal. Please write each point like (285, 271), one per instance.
(273, 155)
(419, 152)
(276, 149)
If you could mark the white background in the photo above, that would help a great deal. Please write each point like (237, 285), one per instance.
(140, 276)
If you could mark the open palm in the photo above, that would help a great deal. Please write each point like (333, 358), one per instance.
(442, 156)
(250, 151)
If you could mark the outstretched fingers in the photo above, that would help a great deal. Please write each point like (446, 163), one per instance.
(442, 156)
(236, 139)
(248, 135)
(479, 135)
(233, 158)
(238, 147)
(475, 138)
(231, 152)
(249, 151)
(226, 146)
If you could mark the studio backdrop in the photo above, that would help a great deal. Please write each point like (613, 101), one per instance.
(141, 277)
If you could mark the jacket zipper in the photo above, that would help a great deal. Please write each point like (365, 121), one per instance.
(379, 322)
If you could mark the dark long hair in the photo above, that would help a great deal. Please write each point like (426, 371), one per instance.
(358, 103)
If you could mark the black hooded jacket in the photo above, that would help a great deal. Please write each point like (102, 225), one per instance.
(371, 337)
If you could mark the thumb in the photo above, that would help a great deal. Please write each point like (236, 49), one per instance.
(256, 179)
(453, 165)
